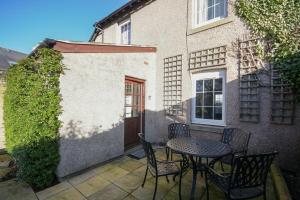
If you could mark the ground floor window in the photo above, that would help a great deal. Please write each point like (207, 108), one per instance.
(208, 100)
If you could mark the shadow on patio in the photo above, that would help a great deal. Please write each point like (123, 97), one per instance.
(121, 178)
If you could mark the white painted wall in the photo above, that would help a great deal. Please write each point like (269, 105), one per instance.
(92, 89)
(166, 24)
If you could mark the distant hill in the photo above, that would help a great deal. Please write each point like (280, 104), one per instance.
(9, 57)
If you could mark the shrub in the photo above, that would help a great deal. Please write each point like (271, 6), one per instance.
(31, 110)
(277, 21)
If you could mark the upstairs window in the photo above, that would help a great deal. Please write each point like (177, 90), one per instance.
(125, 32)
(206, 11)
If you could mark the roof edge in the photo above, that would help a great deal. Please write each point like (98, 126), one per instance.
(91, 47)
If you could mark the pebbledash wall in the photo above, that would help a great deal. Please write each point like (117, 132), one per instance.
(92, 90)
(167, 25)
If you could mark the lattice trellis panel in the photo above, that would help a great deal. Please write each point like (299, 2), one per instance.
(173, 85)
(208, 58)
(249, 65)
(283, 104)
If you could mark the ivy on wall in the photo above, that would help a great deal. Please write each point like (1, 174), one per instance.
(31, 110)
(277, 21)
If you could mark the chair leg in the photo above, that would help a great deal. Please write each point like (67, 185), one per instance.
(167, 179)
(174, 177)
(145, 177)
(171, 155)
(167, 153)
(206, 185)
(222, 167)
(156, 180)
(265, 193)
(180, 178)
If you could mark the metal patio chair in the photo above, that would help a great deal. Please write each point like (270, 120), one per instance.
(176, 130)
(238, 140)
(161, 168)
(247, 178)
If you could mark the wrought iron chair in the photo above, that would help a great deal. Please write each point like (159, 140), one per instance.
(161, 168)
(176, 130)
(247, 178)
(238, 140)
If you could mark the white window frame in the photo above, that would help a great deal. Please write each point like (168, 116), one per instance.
(120, 39)
(205, 76)
(196, 10)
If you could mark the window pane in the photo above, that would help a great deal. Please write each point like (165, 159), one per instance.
(128, 88)
(135, 112)
(218, 98)
(218, 113)
(199, 99)
(129, 33)
(218, 84)
(136, 100)
(128, 112)
(210, 13)
(208, 113)
(210, 3)
(208, 99)
(217, 10)
(128, 100)
(208, 85)
(199, 113)
(199, 86)
(136, 89)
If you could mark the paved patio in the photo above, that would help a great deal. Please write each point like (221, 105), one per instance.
(121, 179)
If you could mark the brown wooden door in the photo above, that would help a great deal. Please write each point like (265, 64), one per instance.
(134, 111)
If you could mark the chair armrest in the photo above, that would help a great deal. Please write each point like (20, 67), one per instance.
(213, 162)
(213, 172)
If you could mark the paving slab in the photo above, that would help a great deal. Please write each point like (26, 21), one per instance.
(49, 192)
(75, 180)
(129, 182)
(114, 173)
(111, 192)
(130, 165)
(69, 194)
(92, 185)
(14, 190)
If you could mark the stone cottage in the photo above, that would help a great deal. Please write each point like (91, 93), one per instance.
(152, 62)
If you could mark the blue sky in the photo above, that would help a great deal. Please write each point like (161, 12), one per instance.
(24, 23)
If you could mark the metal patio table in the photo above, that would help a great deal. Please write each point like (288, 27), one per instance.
(199, 148)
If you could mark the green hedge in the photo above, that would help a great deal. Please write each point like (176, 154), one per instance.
(31, 110)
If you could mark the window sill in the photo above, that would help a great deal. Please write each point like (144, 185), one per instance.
(211, 25)
(207, 128)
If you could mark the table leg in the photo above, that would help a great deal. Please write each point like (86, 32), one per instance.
(192, 195)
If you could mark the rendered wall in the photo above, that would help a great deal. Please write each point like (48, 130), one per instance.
(92, 90)
(166, 24)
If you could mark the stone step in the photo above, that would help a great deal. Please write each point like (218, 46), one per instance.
(5, 161)
(6, 173)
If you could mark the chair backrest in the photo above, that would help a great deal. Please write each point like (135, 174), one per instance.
(237, 139)
(251, 170)
(176, 130)
(147, 146)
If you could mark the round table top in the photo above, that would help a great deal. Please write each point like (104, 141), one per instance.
(202, 148)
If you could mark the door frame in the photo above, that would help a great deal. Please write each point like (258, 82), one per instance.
(142, 121)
